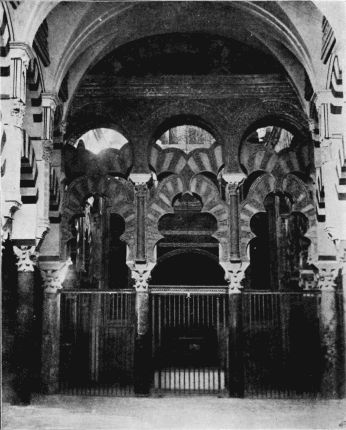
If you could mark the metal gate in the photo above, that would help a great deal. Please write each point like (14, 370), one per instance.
(97, 342)
(282, 354)
(189, 340)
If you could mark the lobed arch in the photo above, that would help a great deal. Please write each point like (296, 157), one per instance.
(120, 198)
(161, 204)
(290, 185)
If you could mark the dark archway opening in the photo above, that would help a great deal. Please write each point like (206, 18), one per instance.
(188, 268)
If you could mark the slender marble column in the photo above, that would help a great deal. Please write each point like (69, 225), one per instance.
(24, 351)
(50, 331)
(141, 193)
(233, 182)
(141, 274)
(234, 274)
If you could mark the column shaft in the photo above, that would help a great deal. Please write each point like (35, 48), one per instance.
(24, 339)
(142, 345)
(140, 239)
(236, 370)
(50, 342)
(234, 224)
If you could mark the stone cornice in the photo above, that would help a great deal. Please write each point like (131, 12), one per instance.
(21, 50)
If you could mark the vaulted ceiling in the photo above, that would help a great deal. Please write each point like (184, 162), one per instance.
(82, 33)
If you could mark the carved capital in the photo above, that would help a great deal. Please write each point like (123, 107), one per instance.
(327, 275)
(234, 274)
(47, 149)
(17, 113)
(141, 274)
(308, 279)
(53, 275)
(26, 256)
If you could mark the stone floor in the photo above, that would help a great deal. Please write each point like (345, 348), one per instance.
(84, 413)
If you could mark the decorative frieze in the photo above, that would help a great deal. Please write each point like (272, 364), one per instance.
(26, 256)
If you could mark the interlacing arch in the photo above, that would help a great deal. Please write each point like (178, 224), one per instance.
(174, 160)
(120, 196)
(290, 185)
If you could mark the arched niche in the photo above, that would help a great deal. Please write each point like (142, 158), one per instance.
(279, 248)
(301, 201)
(96, 247)
(119, 199)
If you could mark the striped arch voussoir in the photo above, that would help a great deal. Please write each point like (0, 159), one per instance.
(174, 160)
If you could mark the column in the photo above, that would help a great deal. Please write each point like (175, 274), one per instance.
(24, 337)
(141, 271)
(141, 191)
(329, 330)
(233, 182)
(53, 275)
(141, 275)
(234, 274)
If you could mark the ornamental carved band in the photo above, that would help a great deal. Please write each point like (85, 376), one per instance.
(26, 256)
